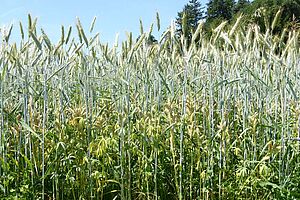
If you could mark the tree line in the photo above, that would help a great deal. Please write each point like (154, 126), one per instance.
(261, 12)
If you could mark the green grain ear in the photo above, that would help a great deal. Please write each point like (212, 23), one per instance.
(29, 23)
(69, 34)
(235, 26)
(7, 36)
(276, 18)
(47, 40)
(93, 24)
(21, 30)
(62, 38)
(158, 21)
(35, 39)
(81, 32)
(141, 27)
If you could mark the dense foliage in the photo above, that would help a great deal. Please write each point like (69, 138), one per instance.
(217, 120)
(261, 12)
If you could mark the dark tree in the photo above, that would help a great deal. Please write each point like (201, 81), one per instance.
(220, 9)
(241, 6)
(188, 19)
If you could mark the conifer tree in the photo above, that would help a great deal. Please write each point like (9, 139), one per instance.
(220, 9)
(192, 13)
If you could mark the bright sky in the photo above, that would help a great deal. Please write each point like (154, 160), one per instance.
(113, 16)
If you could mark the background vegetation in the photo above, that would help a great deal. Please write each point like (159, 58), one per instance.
(260, 12)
